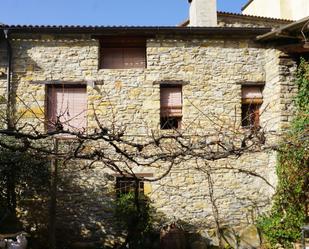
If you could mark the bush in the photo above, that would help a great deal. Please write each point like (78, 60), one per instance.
(135, 218)
(23, 175)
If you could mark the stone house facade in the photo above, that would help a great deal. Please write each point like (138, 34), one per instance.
(206, 71)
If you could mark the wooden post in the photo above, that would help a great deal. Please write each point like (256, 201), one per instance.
(53, 199)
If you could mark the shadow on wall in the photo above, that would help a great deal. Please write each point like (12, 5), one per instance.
(85, 208)
(86, 215)
(24, 179)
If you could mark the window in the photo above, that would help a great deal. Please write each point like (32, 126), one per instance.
(171, 106)
(123, 53)
(3, 56)
(125, 185)
(67, 107)
(252, 99)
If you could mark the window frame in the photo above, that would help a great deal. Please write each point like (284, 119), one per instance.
(127, 180)
(251, 107)
(176, 118)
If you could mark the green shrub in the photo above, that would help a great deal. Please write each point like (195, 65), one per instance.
(135, 218)
(282, 227)
(23, 176)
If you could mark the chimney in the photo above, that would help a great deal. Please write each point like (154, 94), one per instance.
(203, 13)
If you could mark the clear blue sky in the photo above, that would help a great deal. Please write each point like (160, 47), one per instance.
(102, 12)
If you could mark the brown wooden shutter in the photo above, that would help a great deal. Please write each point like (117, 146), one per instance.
(69, 104)
(134, 57)
(112, 58)
(123, 52)
(252, 94)
(171, 101)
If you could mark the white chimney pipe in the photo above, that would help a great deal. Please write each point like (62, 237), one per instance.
(203, 13)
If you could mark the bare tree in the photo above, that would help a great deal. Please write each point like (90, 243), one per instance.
(114, 148)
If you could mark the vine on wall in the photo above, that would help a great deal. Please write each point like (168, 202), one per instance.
(290, 208)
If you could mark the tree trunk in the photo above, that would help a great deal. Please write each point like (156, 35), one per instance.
(11, 191)
(53, 200)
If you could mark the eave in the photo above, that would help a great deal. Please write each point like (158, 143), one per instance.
(290, 31)
(291, 38)
(238, 32)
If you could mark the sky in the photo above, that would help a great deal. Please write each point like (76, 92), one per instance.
(102, 12)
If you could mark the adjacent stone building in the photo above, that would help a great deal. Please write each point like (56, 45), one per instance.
(202, 74)
(286, 9)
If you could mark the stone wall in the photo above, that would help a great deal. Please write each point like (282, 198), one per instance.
(238, 20)
(212, 71)
(288, 89)
(226, 19)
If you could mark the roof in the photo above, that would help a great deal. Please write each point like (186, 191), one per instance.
(246, 5)
(138, 30)
(292, 38)
(230, 14)
(252, 16)
(291, 31)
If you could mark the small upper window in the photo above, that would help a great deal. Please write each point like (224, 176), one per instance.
(67, 107)
(126, 185)
(252, 99)
(123, 53)
(171, 106)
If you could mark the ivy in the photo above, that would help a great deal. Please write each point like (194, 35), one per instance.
(288, 214)
(302, 99)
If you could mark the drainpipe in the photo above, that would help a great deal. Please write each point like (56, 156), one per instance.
(8, 87)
